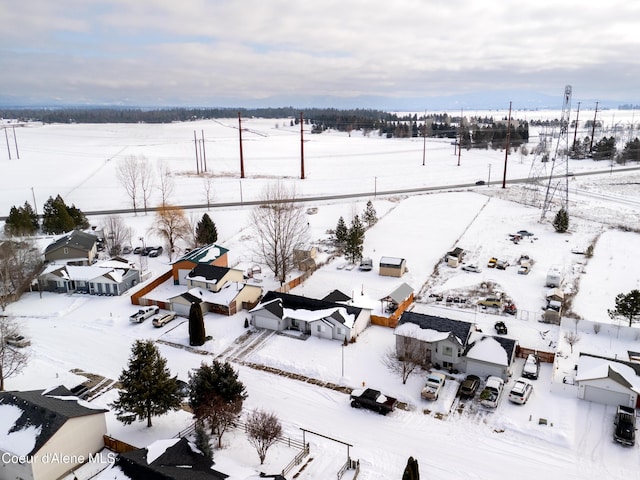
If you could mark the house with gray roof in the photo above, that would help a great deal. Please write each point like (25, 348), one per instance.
(211, 254)
(74, 248)
(487, 355)
(43, 425)
(285, 312)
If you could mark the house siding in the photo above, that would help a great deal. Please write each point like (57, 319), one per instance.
(610, 385)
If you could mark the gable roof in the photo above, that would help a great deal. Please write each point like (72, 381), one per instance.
(42, 412)
(297, 302)
(205, 255)
(400, 294)
(169, 459)
(76, 239)
(208, 272)
(487, 348)
(337, 296)
(459, 329)
(593, 367)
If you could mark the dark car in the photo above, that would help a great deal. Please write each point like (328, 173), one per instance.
(625, 426)
(501, 328)
(157, 251)
(469, 386)
(137, 250)
(480, 182)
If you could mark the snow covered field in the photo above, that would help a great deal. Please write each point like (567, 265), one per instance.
(94, 334)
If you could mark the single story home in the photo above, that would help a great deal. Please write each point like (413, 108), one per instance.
(113, 277)
(440, 341)
(41, 424)
(74, 248)
(608, 381)
(283, 311)
(392, 267)
(487, 355)
(230, 299)
(173, 459)
(208, 255)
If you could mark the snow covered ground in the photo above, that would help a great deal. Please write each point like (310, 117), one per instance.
(93, 333)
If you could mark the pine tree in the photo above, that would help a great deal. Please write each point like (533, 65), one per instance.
(203, 442)
(206, 231)
(197, 334)
(561, 221)
(216, 396)
(58, 218)
(355, 240)
(411, 471)
(342, 232)
(147, 387)
(370, 216)
(79, 218)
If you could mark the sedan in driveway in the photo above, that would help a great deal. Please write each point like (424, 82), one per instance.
(531, 367)
(521, 391)
(469, 386)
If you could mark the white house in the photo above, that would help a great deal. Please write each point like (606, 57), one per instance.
(40, 426)
(608, 381)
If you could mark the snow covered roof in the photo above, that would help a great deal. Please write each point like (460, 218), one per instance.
(222, 297)
(206, 254)
(391, 261)
(457, 328)
(488, 349)
(75, 239)
(593, 368)
(30, 419)
(305, 304)
(89, 273)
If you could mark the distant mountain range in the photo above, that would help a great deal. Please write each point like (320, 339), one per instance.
(490, 100)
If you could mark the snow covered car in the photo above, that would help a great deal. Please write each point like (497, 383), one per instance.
(433, 386)
(471, 268)
(625, 426)
(521, 391)
(17, 341)
(490, 395)
(531, 367)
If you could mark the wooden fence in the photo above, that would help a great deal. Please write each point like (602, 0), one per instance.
(392, 320)
(545, 357)
(116, 445)
(137, 298)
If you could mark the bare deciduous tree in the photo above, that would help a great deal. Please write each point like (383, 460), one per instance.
(172, 225)
(165, 182)
(19, 263)
(404, 365)
(208, 191)
(280, 228)
(146, 181)
(12, 359)
(116, 233)
(263, 429)
(571, 338)
(128, 172)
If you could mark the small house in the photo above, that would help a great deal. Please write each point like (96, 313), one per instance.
(75, 248)
(208, 255)
(39, 425)
(392, 266)
(487, 355)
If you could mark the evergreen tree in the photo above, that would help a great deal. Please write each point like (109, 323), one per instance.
(216, 396)
(147, 387)
(627, 306)
(355, 240)
(342, 232)
(21, 221)
(561, 221)
(369, 216)
(203, 442)
(605, 149)
(411, 471)
(79, 218)
(206, 231)
(197, 334)
(631, 151)
(56, 217)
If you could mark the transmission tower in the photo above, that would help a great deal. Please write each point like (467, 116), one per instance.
(558, 184)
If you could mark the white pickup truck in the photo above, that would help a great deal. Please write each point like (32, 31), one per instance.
(144, 313)
(433, 386)
(490, 396)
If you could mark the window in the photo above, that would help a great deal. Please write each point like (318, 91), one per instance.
(340, 332)
(319, 327)
(65, 250)
(448, 351)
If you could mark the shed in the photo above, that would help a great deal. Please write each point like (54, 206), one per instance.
(392, 266)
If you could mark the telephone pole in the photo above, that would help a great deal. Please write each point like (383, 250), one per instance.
(240, 137)
(593, 129)
(506, 150)
(424, 139)
(301, 148)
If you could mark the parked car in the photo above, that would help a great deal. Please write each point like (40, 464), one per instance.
(137, 250)
(469, 386)
(490, 395)
(156, 252)
(525, 233)
(490, 302)
(17, 341)
(524, 268)
(144, 313)
(531, 367)
(366, 264)
(471, 268)
(625, 426)
(127, 249)
(161, 319)
(433, 386)
(502, 264)
(501, 328)
(373, 400)
(492, 262)
(510, 308)
(480, 182)
(521, 391)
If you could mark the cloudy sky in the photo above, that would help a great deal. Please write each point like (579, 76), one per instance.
(304, 52)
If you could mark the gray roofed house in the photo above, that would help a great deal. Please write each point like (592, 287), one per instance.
(175, 459)
(41, 422)
(74, 248)
(208, 255)
(487, 355)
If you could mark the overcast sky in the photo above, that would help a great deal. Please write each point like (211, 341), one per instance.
(224, 52)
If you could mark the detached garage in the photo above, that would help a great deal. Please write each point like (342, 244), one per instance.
(607, 381)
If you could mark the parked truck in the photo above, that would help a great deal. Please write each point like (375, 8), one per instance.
(373, 400)
(144, 313)
(490, 396)
(433, 386)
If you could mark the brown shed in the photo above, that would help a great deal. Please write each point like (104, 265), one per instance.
(392, 266)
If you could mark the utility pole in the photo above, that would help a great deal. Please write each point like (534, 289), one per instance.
(240, 136)
(301, 149)
(35, 206)
(15, 140)
(6, 137)
(424, 139)
(506, 151)
(460, 138)
(575, 130)
(204, 153)
(593, 129)
(195, 143)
